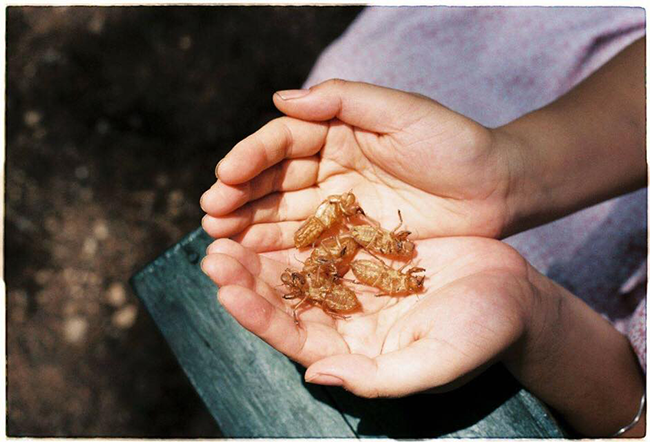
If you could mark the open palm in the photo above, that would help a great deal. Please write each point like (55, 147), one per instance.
(393, 150)
(471, 310)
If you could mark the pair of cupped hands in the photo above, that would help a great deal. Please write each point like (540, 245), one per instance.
(456, 185)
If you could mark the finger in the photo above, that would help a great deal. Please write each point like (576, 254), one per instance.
(289, 257)
(367, 106)
(226, 270)
(400, 373)
(266, 274)
(305, 344)
(266, 268)
(269, 237)
(277, 207)
(288, 175)
(279, 139)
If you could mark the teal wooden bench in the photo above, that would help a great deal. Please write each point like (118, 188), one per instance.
(253, 391)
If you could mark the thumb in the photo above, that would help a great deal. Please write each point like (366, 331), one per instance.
(369, 107)
(399, 373)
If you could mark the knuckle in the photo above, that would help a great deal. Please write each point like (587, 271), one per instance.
(332, 83)
(335, 82)
(281, 140)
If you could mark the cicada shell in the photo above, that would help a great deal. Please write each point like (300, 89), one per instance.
(333, 298)
(388, 280)
(388, 243)
(335, 209)
(340, 299)
(337, 250)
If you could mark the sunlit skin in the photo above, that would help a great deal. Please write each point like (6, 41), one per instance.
(458, 186)
(277, 177)
(442, 327)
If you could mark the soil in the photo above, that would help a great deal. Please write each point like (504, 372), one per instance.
(115, 120)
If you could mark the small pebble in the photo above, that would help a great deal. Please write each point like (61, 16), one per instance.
(42, 276)
(175, 197)
(90, 246)
(32, 118)
(71, 308)
(81, 172)
(125, 317)
(185, 42)
(103, 126)
(116, 295)
(70, 275)
(75, 329)
(100, 230)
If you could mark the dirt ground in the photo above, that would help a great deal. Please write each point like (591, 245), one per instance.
(116, 118)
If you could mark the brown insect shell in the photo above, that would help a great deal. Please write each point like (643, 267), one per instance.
(319, 271)
(386, 279)
(366, 271)
(334, 209)
(348, 204)
(339, 249)
(332, 296)
(415, 283)
(341, 299)
(296, 282)
(383, 242)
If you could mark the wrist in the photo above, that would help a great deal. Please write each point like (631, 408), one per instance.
(513, 146)
(576, 362)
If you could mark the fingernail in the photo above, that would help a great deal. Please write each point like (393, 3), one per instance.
(205, 217)
(216, 169)
(202, 261)
(325, 379)
(292, 94)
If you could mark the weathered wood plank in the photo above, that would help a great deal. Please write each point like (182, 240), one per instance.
(254, 391)
(250, 389)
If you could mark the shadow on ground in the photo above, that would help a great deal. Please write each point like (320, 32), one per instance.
(116, 118)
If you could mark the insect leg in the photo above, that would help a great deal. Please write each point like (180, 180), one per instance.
(333, 314)
(295, 310)
(399, 213)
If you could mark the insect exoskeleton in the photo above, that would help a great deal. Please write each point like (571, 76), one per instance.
(332, 210)
(387, 243)
(388, 280)
(332, 297)
(296, 282)
(337, 250)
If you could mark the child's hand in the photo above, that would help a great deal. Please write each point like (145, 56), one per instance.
(475, 305)
(393, 149)
(482, 302)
